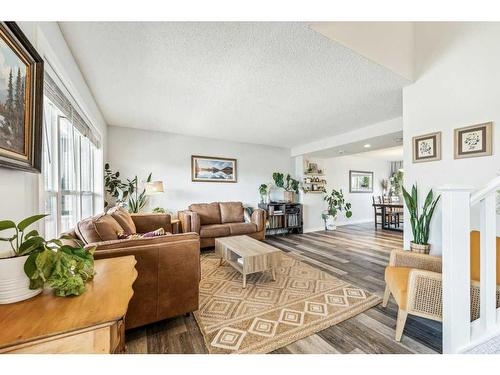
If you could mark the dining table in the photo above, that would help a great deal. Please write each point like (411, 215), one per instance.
(387, 207)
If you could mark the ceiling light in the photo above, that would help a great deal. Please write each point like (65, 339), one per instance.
(367, 145)
(341, 152)
(398, 139)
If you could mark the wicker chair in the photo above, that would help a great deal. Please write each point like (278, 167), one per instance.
(415, 282)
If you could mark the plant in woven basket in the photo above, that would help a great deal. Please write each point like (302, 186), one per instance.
(420, 222)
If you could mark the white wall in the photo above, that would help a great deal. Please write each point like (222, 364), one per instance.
(337, 177)
(168, 157)
(19, 190)
(390, 44)
(458, 84)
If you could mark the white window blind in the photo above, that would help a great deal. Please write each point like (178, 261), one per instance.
(69, 156)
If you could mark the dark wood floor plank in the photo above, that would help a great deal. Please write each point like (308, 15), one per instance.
(357, 254)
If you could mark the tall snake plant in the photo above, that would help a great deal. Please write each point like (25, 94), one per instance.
(420, 224)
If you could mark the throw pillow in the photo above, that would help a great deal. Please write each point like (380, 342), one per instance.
(247, 214)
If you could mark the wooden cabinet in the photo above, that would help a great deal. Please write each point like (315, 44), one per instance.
(90, 323)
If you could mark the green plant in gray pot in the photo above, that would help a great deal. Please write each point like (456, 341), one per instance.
(336, 204)
(420, 222)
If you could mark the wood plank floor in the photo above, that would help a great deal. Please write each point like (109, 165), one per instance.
(355, 253)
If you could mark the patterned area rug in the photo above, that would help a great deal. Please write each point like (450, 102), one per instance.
(268, 315)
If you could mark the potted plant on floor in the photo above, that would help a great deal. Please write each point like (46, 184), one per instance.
(336, 204)
(288, 183)
(14, 284)
(420, 223)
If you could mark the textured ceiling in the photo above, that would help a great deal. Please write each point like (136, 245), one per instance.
(380, 147)
(279, 84)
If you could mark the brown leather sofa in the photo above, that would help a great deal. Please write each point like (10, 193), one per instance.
(168, 266)
(222, 219)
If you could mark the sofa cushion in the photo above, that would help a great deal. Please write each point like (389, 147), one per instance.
(123, 218)
(242, 228)
(209, 213)
(231, 212)
(215, 230)
(396, 279)
(98, 228)
(475, 256)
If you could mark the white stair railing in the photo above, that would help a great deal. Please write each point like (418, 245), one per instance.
(459, 333)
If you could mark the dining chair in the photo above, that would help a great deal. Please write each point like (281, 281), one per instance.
(377, 210)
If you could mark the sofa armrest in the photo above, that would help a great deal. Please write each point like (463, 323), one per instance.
(190, 221)
(168, 275)
(149, 222)
(140, 243)
(401, 258)
(259, 218)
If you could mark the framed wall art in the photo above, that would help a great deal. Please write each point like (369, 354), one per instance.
(213, 169)
(360, 182)
(21, 100)
(427, 147)
(473, 141)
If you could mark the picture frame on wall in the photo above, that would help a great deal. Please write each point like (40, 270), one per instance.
(213, 169)
(360, 182)
(21, 101)
(426, 147)
(473, 141)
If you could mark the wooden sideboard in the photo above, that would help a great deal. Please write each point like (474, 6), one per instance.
(90, 323)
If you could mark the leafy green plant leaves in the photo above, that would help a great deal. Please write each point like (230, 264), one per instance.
(420, 224)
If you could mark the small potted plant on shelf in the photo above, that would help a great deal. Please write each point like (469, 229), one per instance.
(336, 204)
(420, 223)
(263, 192)
(32, 262)
(289, 184)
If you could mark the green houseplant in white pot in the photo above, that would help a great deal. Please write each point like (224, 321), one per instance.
(336, 204)
(31, 263)
(14, 284)
(420, 222)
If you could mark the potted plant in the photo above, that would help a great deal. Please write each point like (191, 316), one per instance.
(420, 223)
(63, 267)
(336, 203)
(263, 192)
(32, 263)
(288, 183)
(14, 284)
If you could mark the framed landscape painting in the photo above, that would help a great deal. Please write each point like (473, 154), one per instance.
(21, 100)
(473, 141)
(213, 169)
(360, 182)
(427, 147)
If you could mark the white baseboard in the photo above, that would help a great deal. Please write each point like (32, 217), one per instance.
(308, 230)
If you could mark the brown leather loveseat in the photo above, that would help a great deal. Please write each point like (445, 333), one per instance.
(222, 219)
(168, 266)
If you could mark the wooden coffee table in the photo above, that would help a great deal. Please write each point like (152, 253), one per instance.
(256, 256)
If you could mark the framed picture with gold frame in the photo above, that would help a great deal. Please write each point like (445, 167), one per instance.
(213, 169)
(427, 147)
(21, 100)
(474, 141)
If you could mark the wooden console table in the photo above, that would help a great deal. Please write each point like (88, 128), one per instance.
(90, 323)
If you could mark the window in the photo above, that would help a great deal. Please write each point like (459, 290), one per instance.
(68, 172)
